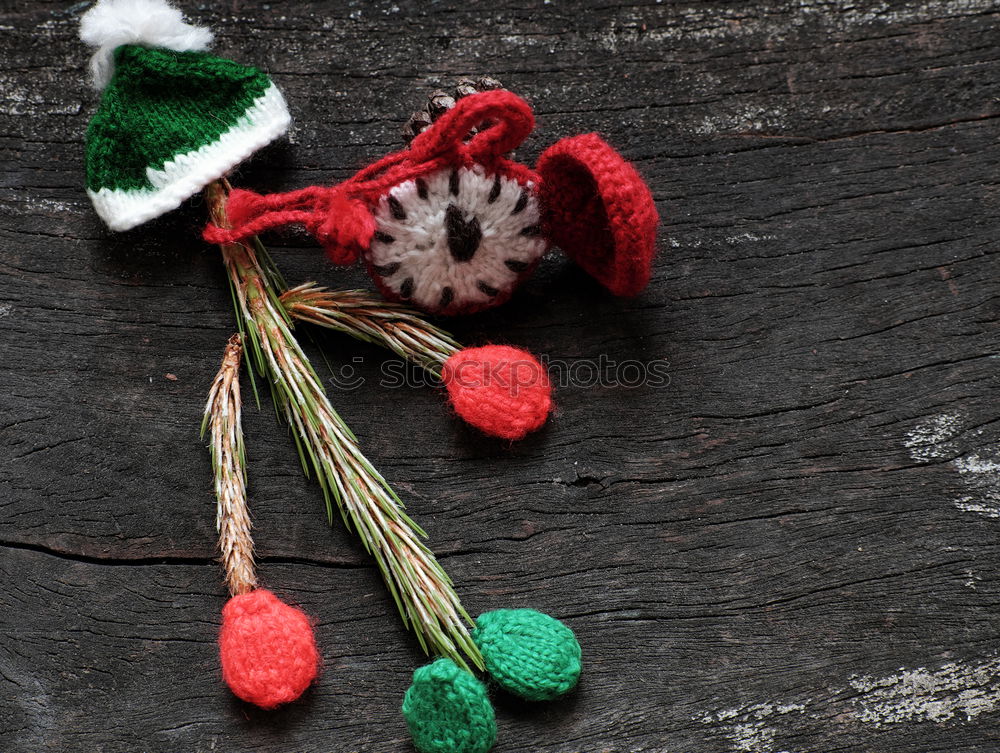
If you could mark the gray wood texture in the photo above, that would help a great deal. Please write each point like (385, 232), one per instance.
(792, 547)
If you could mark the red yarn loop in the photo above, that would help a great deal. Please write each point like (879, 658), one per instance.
(340, 217)
(599, 211)
(267, 649)
(508, 118)
(502, 391)
(344, 226)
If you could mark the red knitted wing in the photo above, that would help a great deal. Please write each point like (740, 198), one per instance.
(599, 211)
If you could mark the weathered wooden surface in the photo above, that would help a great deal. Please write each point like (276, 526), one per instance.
(792, 547)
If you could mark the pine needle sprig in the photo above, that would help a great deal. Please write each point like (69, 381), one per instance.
(223, 417)
(421, 589)
(365, 317)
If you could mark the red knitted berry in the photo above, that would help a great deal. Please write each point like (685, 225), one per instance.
(599, 212)
(267, 648)
(502, 391)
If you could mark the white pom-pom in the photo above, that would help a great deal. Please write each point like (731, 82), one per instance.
(153, 23)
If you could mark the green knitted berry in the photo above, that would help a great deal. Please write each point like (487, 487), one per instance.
(528, 653)
(447, 710)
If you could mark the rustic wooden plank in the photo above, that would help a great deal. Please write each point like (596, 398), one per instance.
(759, 556)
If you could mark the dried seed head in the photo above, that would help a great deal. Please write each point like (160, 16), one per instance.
(440, 101)
(465, 87)
(223, 418)
(418, 122)
(487, 84)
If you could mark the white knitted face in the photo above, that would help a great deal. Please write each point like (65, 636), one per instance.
(456, 239)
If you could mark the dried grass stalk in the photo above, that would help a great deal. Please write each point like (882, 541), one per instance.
(232, 520)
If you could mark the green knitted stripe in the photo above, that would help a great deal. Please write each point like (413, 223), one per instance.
(159, 104)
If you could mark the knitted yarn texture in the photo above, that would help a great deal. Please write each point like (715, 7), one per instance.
(599, 212)
(168, 124)
(267, 649)
(528, 653)
(452, 225)
(172, 118)
(447, 710)
(111, 23)
(502, 391)
(456, 240)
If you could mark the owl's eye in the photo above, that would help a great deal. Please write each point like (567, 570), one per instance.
(456, 240)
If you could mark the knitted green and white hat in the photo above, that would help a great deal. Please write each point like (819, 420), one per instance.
(172, 118)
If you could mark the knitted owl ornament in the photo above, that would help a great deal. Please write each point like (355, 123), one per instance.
(452, 226)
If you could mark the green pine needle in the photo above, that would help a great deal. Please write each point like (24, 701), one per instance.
(423, 593)
(359, 314)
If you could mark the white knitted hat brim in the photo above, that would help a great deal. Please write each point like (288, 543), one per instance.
(187, 173)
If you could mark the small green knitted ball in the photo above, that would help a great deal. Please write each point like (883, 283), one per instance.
(447, 710)
(528, 653)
